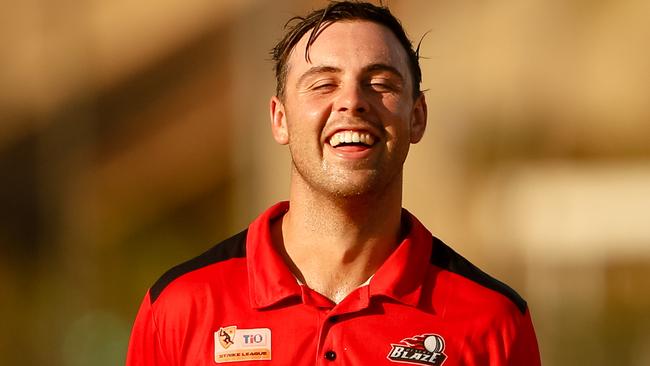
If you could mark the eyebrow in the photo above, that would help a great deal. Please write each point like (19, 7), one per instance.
(335, 70)
(317, 70)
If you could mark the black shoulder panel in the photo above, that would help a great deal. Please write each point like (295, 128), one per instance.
(445, 257)
(233, 247)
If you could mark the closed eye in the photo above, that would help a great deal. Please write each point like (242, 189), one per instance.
(382, 86)
(324, 86)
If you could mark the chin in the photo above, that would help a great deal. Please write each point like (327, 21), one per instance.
(356, 187)
(344, 183)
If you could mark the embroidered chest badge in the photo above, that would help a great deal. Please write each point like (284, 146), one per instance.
(424, 349)
(233, 345)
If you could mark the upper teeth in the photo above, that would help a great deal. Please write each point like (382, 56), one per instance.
(351, 136)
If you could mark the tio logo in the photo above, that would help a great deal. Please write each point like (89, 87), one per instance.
(253, 338)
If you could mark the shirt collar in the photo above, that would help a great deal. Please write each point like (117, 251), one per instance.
(270, 280)
(399, 277)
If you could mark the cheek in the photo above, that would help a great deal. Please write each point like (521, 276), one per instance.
(391, 106)
(315, 115)
(302, 131)
(399, 129)
(315, 106)
(310, 107)
(398, 113)
(307, 119)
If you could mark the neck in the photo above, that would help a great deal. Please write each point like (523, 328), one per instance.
(334, 245)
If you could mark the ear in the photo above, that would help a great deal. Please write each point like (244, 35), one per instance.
(418, 119)
(278, 121)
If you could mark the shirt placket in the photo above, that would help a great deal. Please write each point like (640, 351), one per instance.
(331, 350)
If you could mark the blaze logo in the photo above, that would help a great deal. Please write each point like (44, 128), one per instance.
(424, 349)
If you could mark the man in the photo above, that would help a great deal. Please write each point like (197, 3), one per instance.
(340, 274)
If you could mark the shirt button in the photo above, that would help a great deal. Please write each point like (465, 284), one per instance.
(330, 355)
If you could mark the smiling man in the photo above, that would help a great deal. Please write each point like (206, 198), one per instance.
(341, 273)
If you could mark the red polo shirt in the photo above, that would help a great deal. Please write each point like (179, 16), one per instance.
(238, 303)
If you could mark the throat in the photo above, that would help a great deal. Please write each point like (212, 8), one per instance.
(334, 248)
(337, 289)
(336, 269)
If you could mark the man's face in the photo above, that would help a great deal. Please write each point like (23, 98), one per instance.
(348, 114)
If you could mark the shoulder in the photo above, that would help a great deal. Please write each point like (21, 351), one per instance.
(480, 288)
(231, 248)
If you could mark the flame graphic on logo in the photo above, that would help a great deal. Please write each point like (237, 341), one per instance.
(428, 342)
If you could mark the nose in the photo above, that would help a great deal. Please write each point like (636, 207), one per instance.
(351, 99)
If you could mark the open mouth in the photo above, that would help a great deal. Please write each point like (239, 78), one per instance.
(348, 140)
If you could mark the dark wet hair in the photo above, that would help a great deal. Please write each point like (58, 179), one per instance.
(339, 11)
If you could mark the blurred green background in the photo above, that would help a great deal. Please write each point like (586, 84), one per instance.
(134, 135)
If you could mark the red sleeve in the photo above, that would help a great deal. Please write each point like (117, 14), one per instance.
(144, 345)
(525, 350)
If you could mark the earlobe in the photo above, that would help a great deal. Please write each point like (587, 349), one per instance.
(278, 121)
(418, 119)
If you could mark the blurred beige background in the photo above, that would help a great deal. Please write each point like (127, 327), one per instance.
(134, 135)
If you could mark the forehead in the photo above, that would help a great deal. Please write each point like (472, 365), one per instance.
(349, 45)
